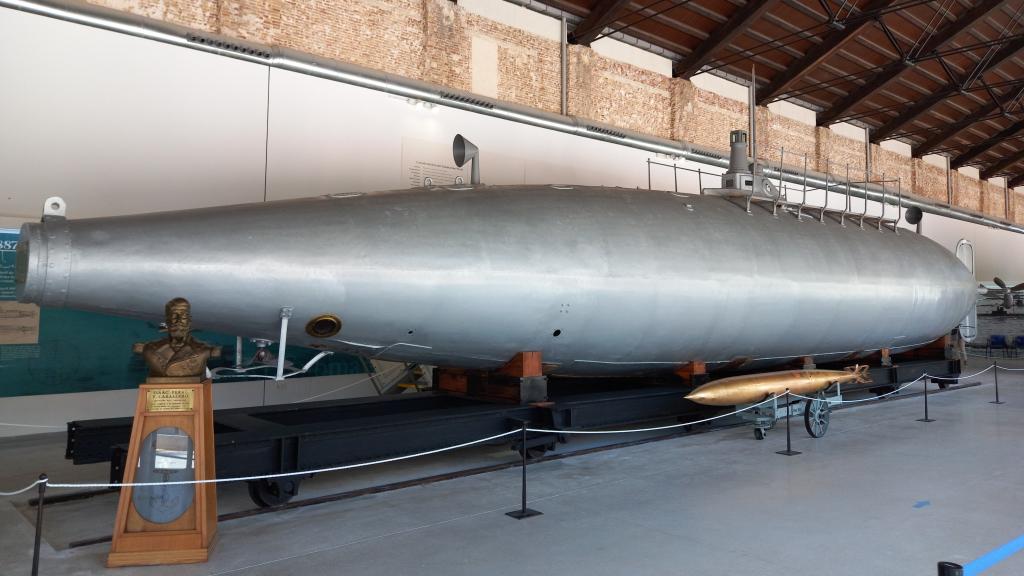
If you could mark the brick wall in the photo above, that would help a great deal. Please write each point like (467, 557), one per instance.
(198, 14)
(1017, 206)
(993, 203)
(966, 192)
(435, 40)
(779, 133)
(707, 117)
(616, 93)
(889, 165)
(929, 181)
(839, 152)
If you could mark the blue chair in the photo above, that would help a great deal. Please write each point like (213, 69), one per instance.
(997, 342)
(1018, 344)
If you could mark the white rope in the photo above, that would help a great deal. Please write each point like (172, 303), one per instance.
(992, 357)
(873, 398)
(880, 396)
(30, 425)
(448, 448)
(284, 474)
(351, 384)
(962, 377)
(654, 429)
(25, 489)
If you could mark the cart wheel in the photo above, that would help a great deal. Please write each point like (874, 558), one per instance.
(759, 434)
(816, 416)
(266, 493)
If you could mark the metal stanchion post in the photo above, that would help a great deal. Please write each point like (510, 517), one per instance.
(39, 524)
(789, 444)
(926, 418)
(950, 569)
(523, 511)
(995, 374)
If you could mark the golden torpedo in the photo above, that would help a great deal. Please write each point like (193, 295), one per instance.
(752, 388)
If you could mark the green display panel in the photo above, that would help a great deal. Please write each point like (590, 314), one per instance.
(82, 351)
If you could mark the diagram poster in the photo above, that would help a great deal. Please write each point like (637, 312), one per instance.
(19, 323)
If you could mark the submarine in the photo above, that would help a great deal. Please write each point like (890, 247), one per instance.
(599, 280)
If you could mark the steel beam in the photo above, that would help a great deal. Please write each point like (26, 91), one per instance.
(939, 138)
(926, 103)
(983, 146)
(1002, 165)
(819, 53)
(945, 34)
(737, 24)
(601, 15)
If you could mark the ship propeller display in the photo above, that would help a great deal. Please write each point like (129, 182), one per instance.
(1006, 292)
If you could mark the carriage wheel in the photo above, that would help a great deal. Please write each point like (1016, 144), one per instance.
(816, 416)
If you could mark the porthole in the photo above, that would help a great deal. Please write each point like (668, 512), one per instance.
(323, 326)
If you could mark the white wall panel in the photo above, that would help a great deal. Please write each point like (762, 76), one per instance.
(327, 137)
(117, 124)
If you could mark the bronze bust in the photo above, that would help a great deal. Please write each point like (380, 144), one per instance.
(179, 355)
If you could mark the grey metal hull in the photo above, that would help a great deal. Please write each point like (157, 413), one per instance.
(601, 280)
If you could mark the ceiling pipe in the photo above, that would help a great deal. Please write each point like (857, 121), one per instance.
(303, 63)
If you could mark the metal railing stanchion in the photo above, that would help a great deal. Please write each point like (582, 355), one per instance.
(789, 441)
(995, 374)
(926, 418)
(39, 524)
(523, 511)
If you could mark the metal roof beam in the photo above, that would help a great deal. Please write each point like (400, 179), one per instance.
(925, 103)
(943, 35)
(939, 138)
(818, 53)
(737, 24)
(1003, 165)
(601, 15)
(983, 146)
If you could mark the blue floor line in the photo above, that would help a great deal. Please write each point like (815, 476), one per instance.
(994, 557)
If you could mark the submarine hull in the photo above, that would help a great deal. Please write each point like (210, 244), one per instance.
(600, 280)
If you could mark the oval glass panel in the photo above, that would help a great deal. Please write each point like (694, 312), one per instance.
(167, 455)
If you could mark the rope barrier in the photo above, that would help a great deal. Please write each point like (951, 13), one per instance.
(914, 381)
(655, 428)
(962, 376)
(25, 489)
(988, 357)
(456, 446)
(365, 464)
(282, 474)
(872, 399)
(30, 425)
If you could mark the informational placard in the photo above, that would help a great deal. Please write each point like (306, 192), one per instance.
(19, 323)
(169, 399)
(422, 160)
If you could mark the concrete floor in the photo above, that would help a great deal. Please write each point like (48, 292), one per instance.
(881, 494)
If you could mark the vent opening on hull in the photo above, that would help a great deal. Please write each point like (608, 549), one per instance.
(323, 326)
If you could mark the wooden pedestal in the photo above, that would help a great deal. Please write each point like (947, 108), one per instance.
(163, 405)
(521, 380)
